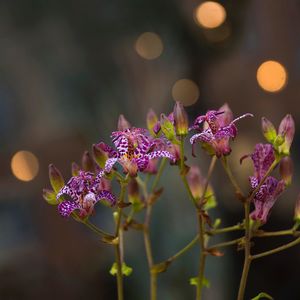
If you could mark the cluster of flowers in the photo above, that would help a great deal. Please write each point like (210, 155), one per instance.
(138, 149)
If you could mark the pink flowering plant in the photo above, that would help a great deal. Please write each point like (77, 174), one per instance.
(136, 160)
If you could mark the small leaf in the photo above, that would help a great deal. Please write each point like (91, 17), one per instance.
(126, 270)
(217, 223)
(195, 281)
(262, 296)
(215, 252)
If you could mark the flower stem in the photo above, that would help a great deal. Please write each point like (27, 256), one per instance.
(234, 183)
(247, 260)
(159, 173)
(276, 250)
(201, 228)
(119, 246)
(225, 244)
(261, 233)
(184, 249)
(237, 227)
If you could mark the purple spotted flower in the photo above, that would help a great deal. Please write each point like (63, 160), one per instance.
(263, 157)
(216, 128)
(134, 150)
(84, 191)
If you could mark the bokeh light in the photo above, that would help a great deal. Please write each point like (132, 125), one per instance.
(149, 45)
(186, 91)
(24, 165)
(210, 14)
(271, 76)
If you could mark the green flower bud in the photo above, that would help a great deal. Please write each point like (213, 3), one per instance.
(167, 127)
(56, 179)
(180, 119)
(151, 121)
(50, 196)
(75, 169)
(268, 130)
(297, 211)
(99, 155)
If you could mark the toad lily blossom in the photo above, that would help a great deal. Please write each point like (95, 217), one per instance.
(218, 128)
(263, 157)
(134, 150)
(84, 191)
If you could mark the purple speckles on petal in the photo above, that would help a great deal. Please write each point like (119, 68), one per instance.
(65, 208)
(108, 196)
(217, 129)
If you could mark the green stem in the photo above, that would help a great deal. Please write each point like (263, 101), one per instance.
(237, 227)
(159, 173)
(261, 233)
(234, 183)
(96, 229)
(276, 250)
(182, 153)
(119, 246)
(184, 250)
(225, 244)
(247, 260)
(201, 227)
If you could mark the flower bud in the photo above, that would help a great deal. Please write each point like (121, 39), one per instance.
(50, 196)
(152, 121)
(167, 127)
(87, 162)
(123, 124)
(181, 121)
(297, 210)
(286, 130)
(99, 155)
(286, 170)
(56, 179)
(268, 130)
(195, 181)
(133, 191)
(75, 169)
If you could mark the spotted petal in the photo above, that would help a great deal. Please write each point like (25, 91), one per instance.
(156, 154)
(205, 136)
(67, 190)
(109, 164)
(109, 197)
(65, 208)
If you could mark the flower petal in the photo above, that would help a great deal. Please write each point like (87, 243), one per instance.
(65, 208)
(109, 164)
(155, 154)
(205, 136)
(109, 197)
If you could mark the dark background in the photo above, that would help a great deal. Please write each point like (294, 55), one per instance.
(68, 69)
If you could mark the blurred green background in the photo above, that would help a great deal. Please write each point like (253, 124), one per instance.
(69, 68)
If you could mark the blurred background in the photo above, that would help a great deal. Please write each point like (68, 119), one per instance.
(69, 68)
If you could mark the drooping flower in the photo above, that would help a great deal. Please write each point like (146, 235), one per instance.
(84, 191)
(263, 157)
(134, 149)
(216, 128)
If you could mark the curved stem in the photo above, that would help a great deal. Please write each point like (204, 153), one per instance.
(237, 227)
(119, 246)
(201, 227)
(276, 250)
(234, 183)
(184, 249)
(261, 233)
(247, 260)
(159, 173)
(225, 244)
(96, 229)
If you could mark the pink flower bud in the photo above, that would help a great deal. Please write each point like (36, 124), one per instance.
(123, 124)
(181, 121)
(56, 179)
(286, 170)
(195, 181)
(87, 162)
(75, 169)
(152, 120)
(286, 130)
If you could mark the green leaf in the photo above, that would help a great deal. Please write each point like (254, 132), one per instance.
(126, 270)
(217, 223)
(263, 296)
(195, 281)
